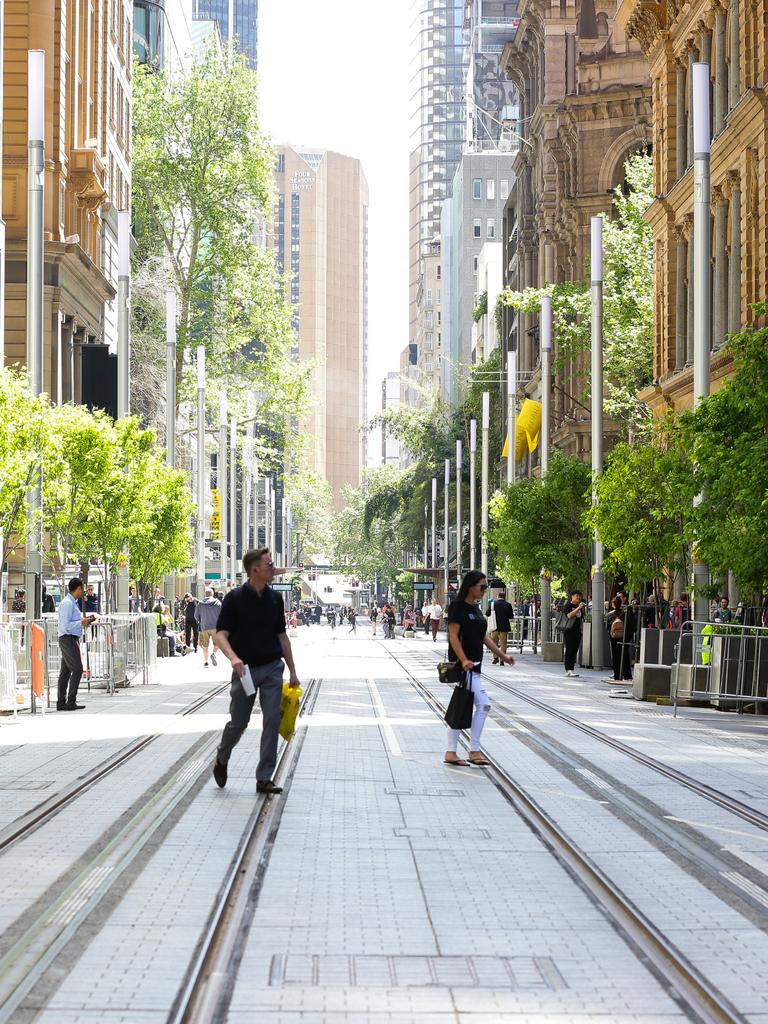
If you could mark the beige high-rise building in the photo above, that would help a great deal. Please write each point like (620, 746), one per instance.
(320, 235)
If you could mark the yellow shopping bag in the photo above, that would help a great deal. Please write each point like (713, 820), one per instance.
(289, 709)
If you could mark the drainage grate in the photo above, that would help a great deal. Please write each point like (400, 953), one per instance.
(439, 833)
(518, 973)
(397, 791)
(19, 784)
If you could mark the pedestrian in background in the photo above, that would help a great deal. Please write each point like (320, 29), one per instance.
(191, 628)
(252, 635)
(352, 620)
(573, 609)
(426, 614)
(48, 605)
(722, 612)
(206, 616)
(374, 617)
(466, 638)
(622, 668)
(435, 618)
(504, 613)
(71, 622)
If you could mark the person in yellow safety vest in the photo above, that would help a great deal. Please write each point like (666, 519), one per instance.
(706, 643)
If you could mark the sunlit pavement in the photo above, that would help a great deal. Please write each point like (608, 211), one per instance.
(399, 889)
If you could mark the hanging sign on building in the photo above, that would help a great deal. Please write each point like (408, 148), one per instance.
(215, 530)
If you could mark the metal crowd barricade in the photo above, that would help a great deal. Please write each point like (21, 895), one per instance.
(725, 664)
(8, 670)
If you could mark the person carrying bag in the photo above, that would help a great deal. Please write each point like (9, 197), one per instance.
(469, 704)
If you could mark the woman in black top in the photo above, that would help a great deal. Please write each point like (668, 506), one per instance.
(573, 610)
(617, 630)
(466, 638)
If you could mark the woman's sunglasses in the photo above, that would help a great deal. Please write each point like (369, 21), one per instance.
(483, 586)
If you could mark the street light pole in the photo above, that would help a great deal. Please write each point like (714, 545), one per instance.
(222, 487)
(434, 522)
(233, 499)
(511, 416)
(123, 368)
(426, 535)
(598, 577)
(546, 416)
(458, 509)
(446, 526)
(35, 257)
(702, 291)
(486, 423)
(472, 494)
(200, 472)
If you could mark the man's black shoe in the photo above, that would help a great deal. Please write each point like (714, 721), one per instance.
(75, 707)
(220, 773)
(268, 787)
(61, 707)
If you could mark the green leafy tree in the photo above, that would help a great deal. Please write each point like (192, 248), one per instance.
(729, 441)
(539, 524)
(627, 303)
(310, 499)
(21, 440)
(162, 542)
(645, 509)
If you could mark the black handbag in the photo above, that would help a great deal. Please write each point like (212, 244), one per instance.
(459, 712)
(450, 672)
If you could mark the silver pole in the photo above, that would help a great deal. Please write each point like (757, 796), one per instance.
(233, 499)
(284, 523)
(201, 471)
(702, 290)
(446, 526)
(511, 416)
(272, 519)
(598, 577)
(458, 509)
(255, 500)
(35, 257)
(486, 423)
(222, 485)
(268, 514)
(546, 416)
(434, 522)
(123, 367)
(472, 494)
(170, 378)
(426, 535)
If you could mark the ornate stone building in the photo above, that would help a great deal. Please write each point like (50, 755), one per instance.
(585, 106)
(87, 178)
(732, 37)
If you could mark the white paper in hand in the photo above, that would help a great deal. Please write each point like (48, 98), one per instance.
(247, 680)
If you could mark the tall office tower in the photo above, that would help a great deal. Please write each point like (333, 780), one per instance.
(320, 236)
(162, 32)
(438, 125)
(243, 14)
(492, 105)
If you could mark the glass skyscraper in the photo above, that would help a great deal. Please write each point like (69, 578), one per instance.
(245, 22)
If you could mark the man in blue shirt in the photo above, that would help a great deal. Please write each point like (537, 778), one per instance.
(71, 622)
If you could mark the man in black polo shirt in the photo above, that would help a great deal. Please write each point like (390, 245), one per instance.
(251, 633)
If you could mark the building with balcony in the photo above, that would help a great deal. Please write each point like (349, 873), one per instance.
(732, 37)
(585, 106)
(87, 180)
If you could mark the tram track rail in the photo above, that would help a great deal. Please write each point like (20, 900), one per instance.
(207, 989)
(702, 1000)
(47, 809)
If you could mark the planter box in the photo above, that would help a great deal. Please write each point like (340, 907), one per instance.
(409, 634)
(585, 651)
(552, 651)
(651, 681)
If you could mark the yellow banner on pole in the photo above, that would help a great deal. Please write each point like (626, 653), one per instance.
(527, 429)
(215, 528)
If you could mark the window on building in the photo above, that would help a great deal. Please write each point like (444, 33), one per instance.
(438, 295)
(477, 228)
(428, 362)
(429, 296)
(428, 320)
(477, 188)
(438, 272)
(490, 188)
(428, 342)
(280, 163)
(490, 227)
(504, 189)
(474, 264)
(439, 337)
(439, 318)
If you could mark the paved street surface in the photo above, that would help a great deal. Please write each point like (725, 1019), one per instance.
(396, 889)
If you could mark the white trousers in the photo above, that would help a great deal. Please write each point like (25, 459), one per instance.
(482, 707)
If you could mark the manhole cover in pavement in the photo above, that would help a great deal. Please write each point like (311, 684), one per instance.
(397, 791)
(519, 973)
(440, 833)
(25, 783)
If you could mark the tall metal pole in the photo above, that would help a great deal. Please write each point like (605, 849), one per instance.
(546, 417)
(472, 494)
(458, 508)
(123, 367)
(284, 560)
(233, 499)
(426, 535)
(486, 424)
(268, 514)
(255, 501)
(511, 416)
(35, 256)
(446, 526)
(272, 520)
(598, 577)
(170, 407)
(223, 487)
(434, 522)
(201, 471)
(702, 291)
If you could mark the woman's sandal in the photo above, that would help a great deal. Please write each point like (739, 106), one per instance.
(458, 763)
(479, 759)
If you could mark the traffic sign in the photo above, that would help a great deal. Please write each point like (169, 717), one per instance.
(423, 586)
(283, 588)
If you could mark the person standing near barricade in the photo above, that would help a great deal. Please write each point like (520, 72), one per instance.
(71, 622)
(251, 633)
(504, 613)
(206, 616)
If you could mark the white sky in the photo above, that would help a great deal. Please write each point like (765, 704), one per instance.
(335, 75)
